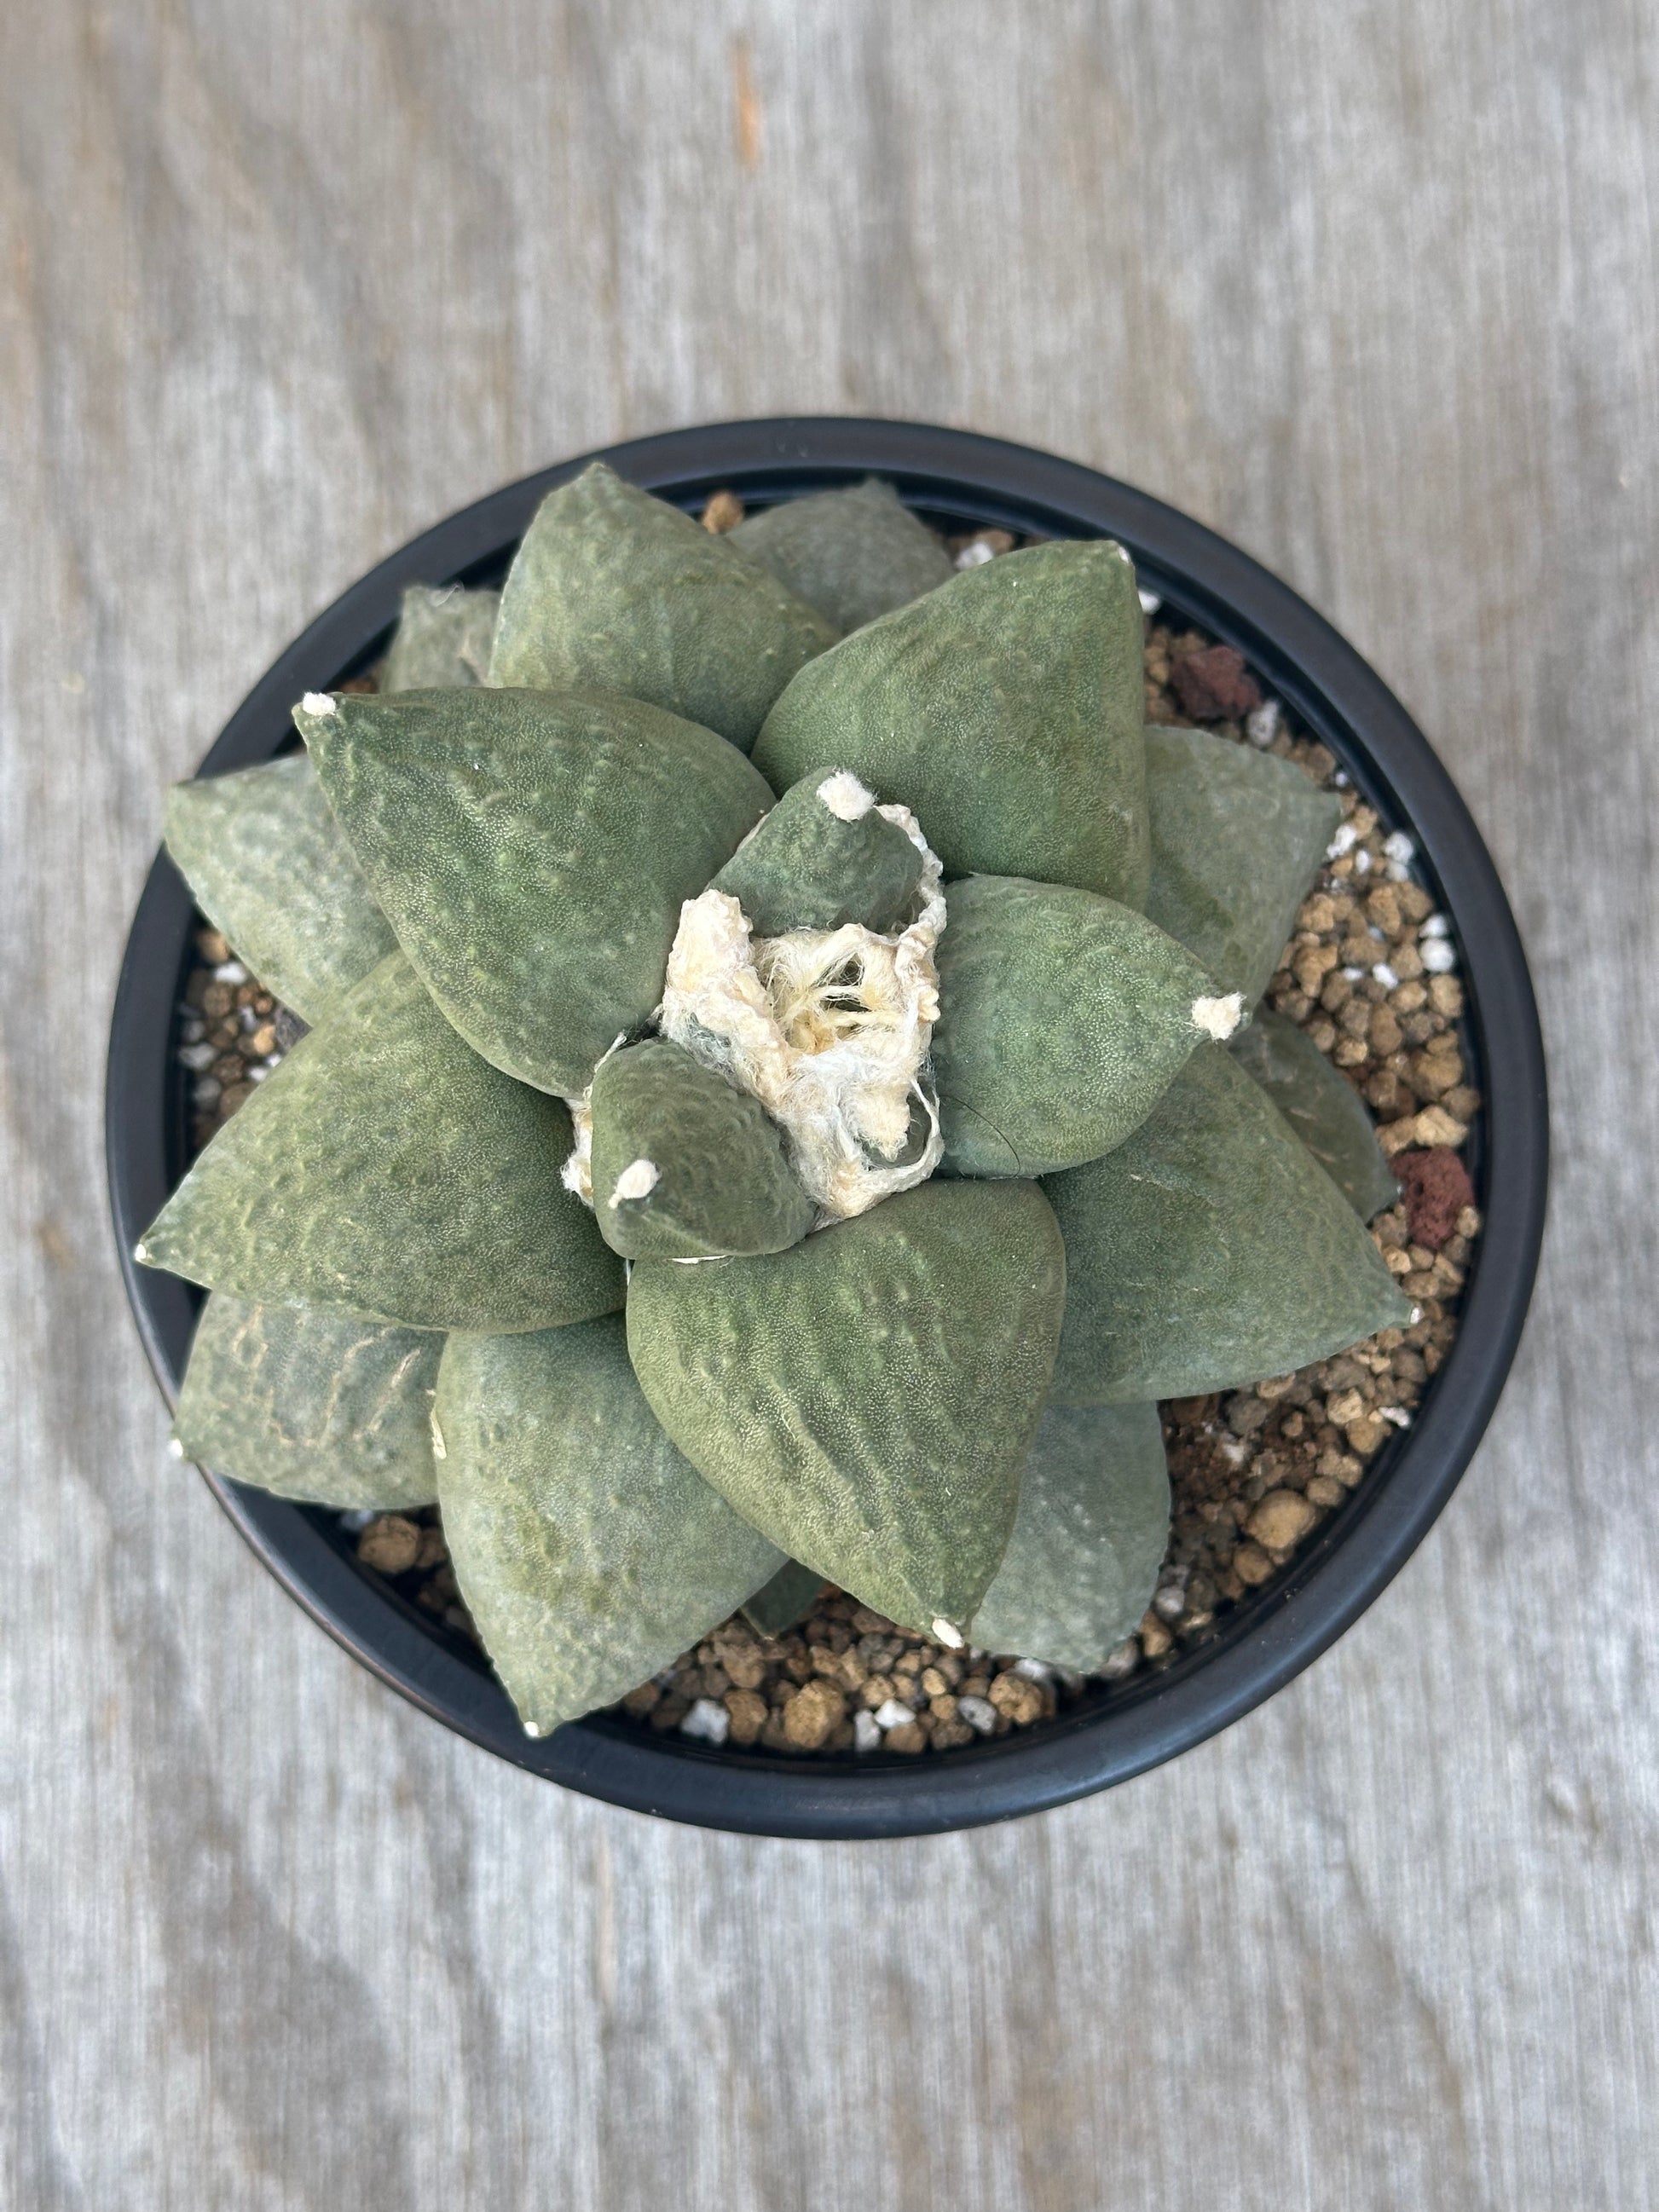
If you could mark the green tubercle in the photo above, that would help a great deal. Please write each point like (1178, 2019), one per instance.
(272, 869)
(1088, 1541)
(684, 1165)
(386, 1171)
(589, 1552)
(1324, 1109)
(614, 590)
(1209, 1250)
(1237, 836)
(824, 856)
(1005, 709)
(1063, 1018)
(312, 1404)
(533, 851)
(866, 1399)
(442, 639)
(852, 555)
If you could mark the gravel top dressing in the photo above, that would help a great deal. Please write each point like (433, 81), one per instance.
(1368, 980)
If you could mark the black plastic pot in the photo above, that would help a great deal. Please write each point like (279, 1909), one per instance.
(959, 480)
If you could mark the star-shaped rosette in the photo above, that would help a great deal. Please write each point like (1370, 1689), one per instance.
(770, 1095)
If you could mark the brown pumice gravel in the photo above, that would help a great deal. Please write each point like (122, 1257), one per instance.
(1370, 974)
(228, 1036)
(724, 511)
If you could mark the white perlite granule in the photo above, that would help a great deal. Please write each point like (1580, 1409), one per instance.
(707, 1722)
(829, 1029)
(1261, 724)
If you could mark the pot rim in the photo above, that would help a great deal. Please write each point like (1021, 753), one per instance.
(974, 481)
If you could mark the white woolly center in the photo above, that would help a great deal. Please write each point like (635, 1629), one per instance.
(318, 703)
(829, 1029)
(638, 1179)
(1219, 1018)
(845, 796)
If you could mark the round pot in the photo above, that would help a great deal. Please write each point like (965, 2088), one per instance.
(958, 481)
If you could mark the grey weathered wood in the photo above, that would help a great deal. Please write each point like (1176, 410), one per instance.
(1369, 287)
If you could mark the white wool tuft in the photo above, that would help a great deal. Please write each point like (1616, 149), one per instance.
(577, 1173)
(1219, 1018)
(638, 1179)
(845, 796)
(320, 702)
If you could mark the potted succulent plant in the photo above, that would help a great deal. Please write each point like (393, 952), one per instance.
(789, 1093)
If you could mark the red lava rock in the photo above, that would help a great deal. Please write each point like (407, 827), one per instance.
(1437, 1188)
(1214, 684)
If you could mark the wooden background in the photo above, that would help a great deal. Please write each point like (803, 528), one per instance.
(1369, 286)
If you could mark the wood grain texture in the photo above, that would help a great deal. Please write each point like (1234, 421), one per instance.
(1369, 287)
